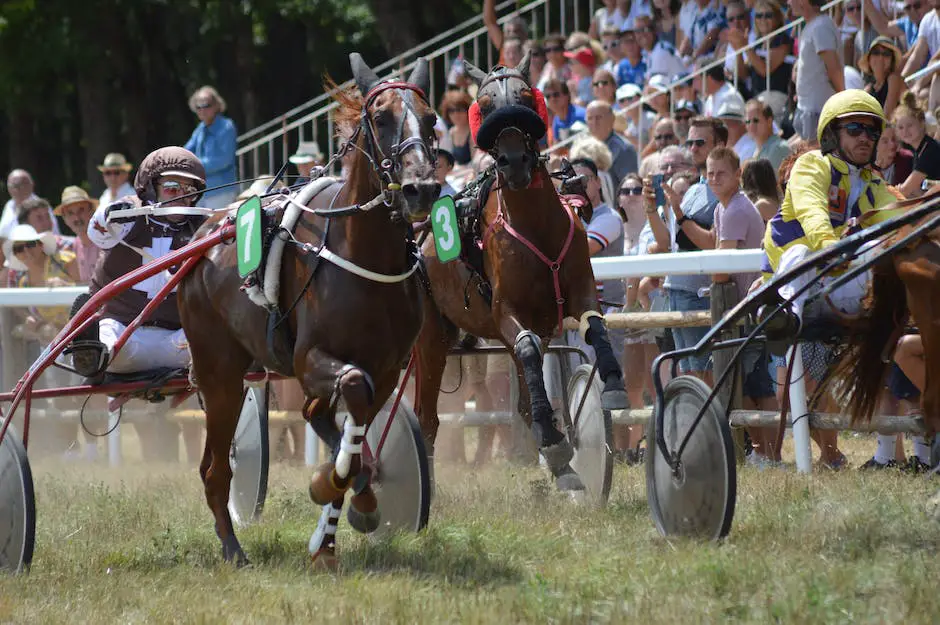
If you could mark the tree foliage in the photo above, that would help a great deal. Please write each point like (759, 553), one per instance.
(80, 79)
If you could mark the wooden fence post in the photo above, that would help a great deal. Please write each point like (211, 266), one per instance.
(724, 297)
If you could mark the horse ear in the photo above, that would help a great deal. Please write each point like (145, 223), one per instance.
(420, 77)
(363, 75)
(523, 66)
(476, 74)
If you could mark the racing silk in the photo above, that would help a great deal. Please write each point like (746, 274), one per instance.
(127, 246)
(823, 194)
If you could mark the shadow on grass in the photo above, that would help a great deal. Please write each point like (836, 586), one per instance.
(453, 555)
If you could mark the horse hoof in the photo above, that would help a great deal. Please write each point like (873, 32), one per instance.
(363, 514)
(322, 488)
(614, 399)
(557, 456)
(569, 482)
(324, 561)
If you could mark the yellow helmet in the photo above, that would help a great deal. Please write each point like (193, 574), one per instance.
(848, 102)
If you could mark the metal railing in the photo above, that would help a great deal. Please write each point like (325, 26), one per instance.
(260, 154)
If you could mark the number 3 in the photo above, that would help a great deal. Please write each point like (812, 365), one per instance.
(443, 220)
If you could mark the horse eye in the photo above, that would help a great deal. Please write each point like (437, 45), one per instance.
(382, 117)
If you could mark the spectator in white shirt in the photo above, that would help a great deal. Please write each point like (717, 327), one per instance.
(717, 90)
(115, 170)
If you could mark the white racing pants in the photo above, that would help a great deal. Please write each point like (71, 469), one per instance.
(847, 299)
(147, 348)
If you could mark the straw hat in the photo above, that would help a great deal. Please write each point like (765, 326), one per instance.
(884, 42)
(74, 195)
(22, 233)
(114, 161)
(307, 152)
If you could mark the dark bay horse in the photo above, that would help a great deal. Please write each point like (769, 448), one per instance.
(352, 327)
(535, 260)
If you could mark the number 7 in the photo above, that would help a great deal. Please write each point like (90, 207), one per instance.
(247, 221)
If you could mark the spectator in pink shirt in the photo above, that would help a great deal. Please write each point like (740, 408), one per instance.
(76, 210)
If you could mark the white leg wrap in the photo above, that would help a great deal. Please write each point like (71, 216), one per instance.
(583, 326)
(326, 527)
(347, 447)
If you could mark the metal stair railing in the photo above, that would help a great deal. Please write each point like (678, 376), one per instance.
(264, 154)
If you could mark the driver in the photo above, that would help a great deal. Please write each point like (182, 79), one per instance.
(168, 176)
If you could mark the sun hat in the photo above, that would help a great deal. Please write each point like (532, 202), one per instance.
(114, 161)
(628, 90)
(731, 108)
(307, 152)
(884, 42)
(74, 195)
(22, 233)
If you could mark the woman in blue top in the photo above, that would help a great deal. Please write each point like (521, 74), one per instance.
(214, 141)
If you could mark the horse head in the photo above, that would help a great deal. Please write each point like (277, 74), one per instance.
(509, 120)
(398, 124)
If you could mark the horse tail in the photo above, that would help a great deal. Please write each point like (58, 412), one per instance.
(863, 364)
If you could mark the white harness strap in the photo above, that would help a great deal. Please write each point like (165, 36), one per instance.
(272, 269)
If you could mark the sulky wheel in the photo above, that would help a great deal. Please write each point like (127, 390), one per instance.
(399, 465)
(17, 506)
(249, 458)
(591, 435)
(697, 499)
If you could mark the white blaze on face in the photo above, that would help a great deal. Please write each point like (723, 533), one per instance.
(411, 121)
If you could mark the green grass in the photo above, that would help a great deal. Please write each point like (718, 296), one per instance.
(137, 545)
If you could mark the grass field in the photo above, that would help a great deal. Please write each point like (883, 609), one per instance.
(137, 545)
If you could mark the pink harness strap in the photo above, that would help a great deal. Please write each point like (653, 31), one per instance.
(553, 266)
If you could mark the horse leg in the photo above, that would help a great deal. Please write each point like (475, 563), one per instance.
(434, 341)
(554, 446)
(593, 330)
(322, 545)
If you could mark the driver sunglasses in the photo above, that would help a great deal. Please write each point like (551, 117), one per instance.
(856, 129)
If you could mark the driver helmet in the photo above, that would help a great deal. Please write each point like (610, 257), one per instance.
(844, 104)
(168, 161)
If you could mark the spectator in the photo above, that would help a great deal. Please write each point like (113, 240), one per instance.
(904, 28)
(819, 66)
(738, 225)
(557, 67)
(682, 117)
(37, 213)
(702, 35)
(685, 293)
(882, 68)
(768, 17)
(600, 121)
(306, 157)
(558, 101)
(637, 121)
(21, 188)
(606, 19)
(717, 90)
(583, 63)
(857, 45)
(911, 124)
(445, 165)
(893, 162)
(685, 89)
(513, 50)
(455, 107)
(656, 94)
(663, 135)
(115, 170)
(759, 183)
(660, 57)
(926, 48)
(760, 127)
(735, 38)
(513, 28)
(536, 58)
(666, 21)
(631, 68)
(605, 87)
(732, 114)
(613, 49)
(587, 147)
(76, 209)
(214, 142)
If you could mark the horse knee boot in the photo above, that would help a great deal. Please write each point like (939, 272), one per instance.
(529, 352)
(594, 332)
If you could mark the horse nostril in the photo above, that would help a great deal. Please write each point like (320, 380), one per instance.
(410, 190)
(502, 161)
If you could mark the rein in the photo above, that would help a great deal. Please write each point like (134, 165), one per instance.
(553, 265)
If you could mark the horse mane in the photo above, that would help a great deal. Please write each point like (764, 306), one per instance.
(350, 106)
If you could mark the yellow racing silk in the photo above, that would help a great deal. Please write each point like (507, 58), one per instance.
(815, 210)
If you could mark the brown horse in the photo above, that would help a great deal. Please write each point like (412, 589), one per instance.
(352, 327)
(532, 270)
(905, 285)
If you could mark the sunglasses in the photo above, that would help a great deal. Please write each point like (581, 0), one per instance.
(881, 52)
(112, 172)
(738, 18)
(171, 186)
(203, 106)
(625, 191)
(699, 143)
(611, 44)
(601, 83)
(661, 138)
(856, 129)
(915, 6)
(18, 248)
(553, 95)
(769, 15)
(555, 49)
